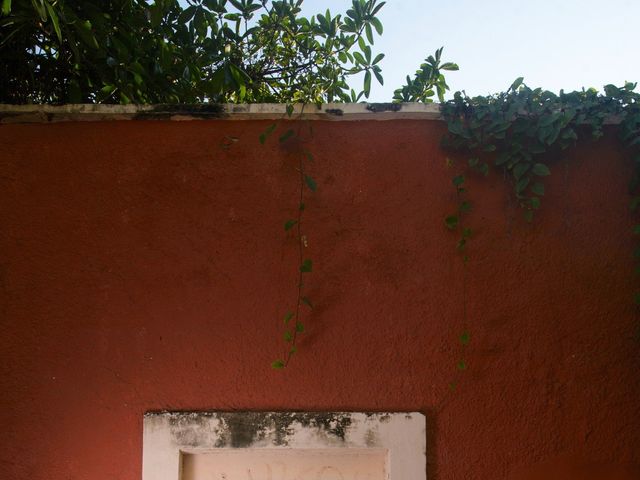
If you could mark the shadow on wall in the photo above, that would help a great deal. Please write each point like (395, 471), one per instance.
(571, 468)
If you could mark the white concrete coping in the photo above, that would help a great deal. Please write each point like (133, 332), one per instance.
(224, 111)
(284, 446)
(256, 111)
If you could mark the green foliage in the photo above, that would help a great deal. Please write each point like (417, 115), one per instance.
(135, 51)
(311, 183)
(278, 364)
(517, 130)
(289, 224)
(306, 266)
(429, 81)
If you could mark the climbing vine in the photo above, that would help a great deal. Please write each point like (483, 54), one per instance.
(428, 81)
(293, 324)
(456, 222)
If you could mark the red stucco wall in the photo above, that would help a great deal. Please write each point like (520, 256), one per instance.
(142, 267)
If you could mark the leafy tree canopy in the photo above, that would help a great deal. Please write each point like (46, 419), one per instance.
(122, 51)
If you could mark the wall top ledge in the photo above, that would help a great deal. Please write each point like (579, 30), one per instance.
(256, 111)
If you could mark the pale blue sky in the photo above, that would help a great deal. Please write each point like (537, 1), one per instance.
(553, 44)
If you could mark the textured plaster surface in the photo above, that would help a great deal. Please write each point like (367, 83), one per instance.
(143, 267)
(284, 445)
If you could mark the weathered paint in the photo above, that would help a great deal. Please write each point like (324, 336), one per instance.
(252, 111)
(319, 445)
(143, 267)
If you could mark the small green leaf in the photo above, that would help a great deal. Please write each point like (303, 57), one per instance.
(288, 317)
(369, 32)
(377, 24)
(522, 184)
(359, 58)
(299, 327)
(268, 131)
(520, 169)
(535, 203)
(449, 66)
(306, 266)
(307, 302)
(378, 76)
(465, 338)
(458, 180)
(301, 206)
(286, 135)
(516, 83)
(311, 183)
(541, 170)
(451, 222)
(462, 365)
(289, 110)
(6, 7)
(287, 336)
(361, 43)
(465, 206)
(54, 19)
(367, 83)
(538, 189)
(277, 365)
(289, 224)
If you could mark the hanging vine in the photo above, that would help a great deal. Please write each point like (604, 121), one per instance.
(292, 320)
(515, 131)
(456, 222)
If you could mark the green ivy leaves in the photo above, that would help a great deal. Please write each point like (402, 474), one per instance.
(519, 129)
(541, 170)
(289, 224)
(311, 183)
(306, 266)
